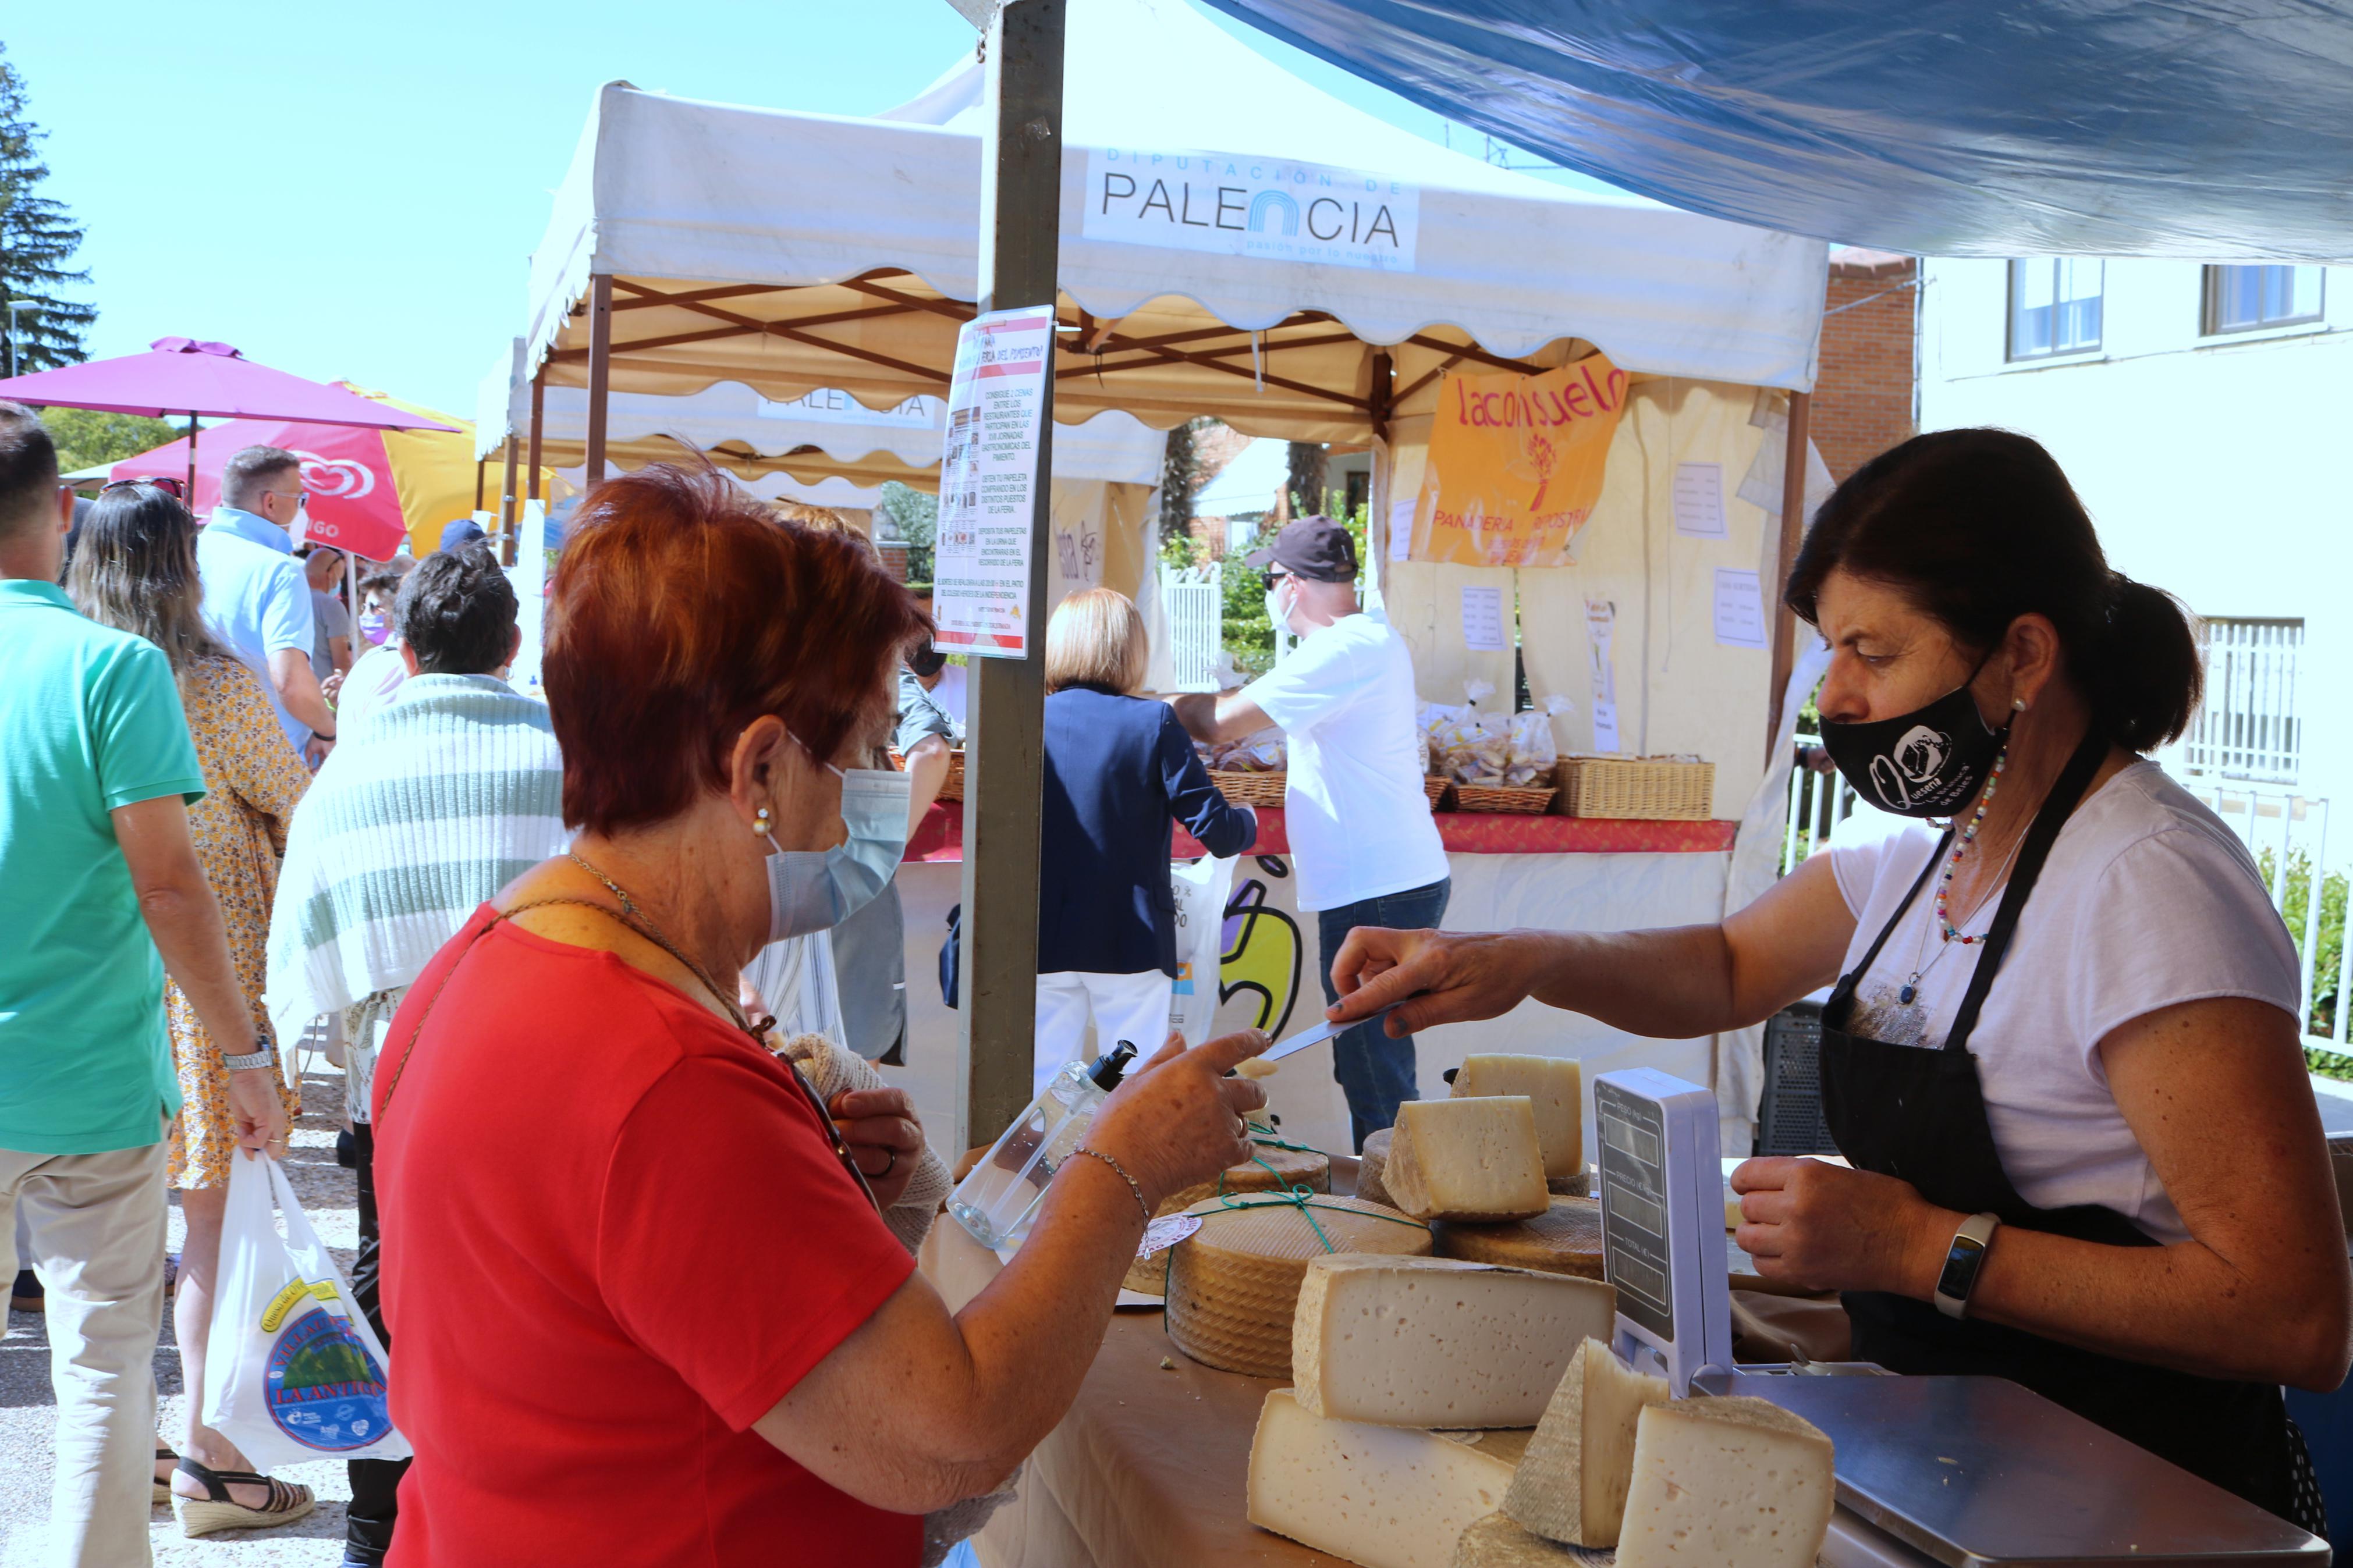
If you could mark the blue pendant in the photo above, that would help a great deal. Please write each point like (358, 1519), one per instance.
(1905, 993)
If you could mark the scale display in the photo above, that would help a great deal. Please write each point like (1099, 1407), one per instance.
(1635, 1225)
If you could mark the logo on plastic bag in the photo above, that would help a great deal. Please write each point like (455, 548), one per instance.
(323, 1389)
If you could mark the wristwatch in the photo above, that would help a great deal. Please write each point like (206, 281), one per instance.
(1963, 1262)
(261, 1056)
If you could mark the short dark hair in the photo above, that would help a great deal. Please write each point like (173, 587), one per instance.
(28, 470)
(250, 470)
(1977, 528)
(457, 612)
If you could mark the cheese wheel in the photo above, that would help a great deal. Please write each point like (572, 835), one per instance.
(1369, 1168)
(1579, 1185)
(1564, 1239)
(1233, 1285)
(1274, 1167)
(1495, 1542)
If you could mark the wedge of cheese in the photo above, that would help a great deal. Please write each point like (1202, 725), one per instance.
(1430, 1342)
(1556, 1088)
(1495, 1542)
(1385, 1497)
(1467, 1159)
(1727, 1480)
(1580, 1462)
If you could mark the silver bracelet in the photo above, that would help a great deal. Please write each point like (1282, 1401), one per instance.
(1124, 1177)
(260, 1056)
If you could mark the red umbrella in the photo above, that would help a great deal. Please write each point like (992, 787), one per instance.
(181, 377)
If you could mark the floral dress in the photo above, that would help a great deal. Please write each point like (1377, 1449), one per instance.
(253, 778)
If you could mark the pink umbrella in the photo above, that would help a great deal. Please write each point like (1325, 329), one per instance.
(182, 376)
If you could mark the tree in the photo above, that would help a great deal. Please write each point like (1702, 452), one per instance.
(87, 437)
(1304, 484)
(37, 240)
(917, 517)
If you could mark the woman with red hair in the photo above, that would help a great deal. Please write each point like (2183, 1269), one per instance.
(661, 1320)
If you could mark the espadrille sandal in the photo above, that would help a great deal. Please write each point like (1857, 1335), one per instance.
(213, 1511)
(164, 1489)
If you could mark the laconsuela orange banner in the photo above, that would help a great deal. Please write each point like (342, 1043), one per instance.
(1515, 464)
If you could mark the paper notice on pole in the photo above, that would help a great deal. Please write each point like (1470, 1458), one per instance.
(988, 483)
(1604, 727)
(1739, 609)
(1401, 531)
(1483, 620)
(1601, 625)
(1699, 501)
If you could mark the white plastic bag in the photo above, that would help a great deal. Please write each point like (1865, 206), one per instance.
(1201, 888)
(292, 1371)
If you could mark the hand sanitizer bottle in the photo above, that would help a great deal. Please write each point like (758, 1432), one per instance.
(996, 1201)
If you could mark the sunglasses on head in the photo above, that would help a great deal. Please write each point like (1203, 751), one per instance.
(164, 482)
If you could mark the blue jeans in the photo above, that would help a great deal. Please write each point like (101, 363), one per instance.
(1374, 1071)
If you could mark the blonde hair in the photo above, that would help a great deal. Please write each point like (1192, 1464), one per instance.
(823, 517)
(1095, 639)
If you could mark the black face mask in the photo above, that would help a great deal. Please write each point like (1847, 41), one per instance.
(1928, 762)
(926, 661)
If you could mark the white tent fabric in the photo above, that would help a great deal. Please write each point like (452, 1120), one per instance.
(672, 189)
(833, 491)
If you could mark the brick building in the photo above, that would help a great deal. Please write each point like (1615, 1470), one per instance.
(1863, 399)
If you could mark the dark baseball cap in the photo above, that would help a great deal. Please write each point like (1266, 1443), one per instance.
(1315, 548)
(464, 531)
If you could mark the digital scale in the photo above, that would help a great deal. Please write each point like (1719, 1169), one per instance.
(1966, 1472)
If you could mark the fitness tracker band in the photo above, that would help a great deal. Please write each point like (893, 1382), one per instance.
(1963, 1262)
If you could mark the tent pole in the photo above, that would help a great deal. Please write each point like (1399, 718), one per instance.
(1021, 174)
(600, 370)
(1793, 529)
(191, 503)
(507, 504)
(538, 408)
(480, 478)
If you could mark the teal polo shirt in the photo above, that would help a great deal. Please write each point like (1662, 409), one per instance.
(89, 720)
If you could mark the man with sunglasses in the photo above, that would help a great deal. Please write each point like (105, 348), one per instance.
(256, 599)
(1362, 842)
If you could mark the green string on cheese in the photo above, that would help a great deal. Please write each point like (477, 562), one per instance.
(1304, 1199)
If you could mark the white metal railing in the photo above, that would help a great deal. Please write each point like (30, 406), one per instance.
(2247, 727)
(1195, 631)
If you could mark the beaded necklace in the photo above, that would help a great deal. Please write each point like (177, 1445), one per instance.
(1909, 989)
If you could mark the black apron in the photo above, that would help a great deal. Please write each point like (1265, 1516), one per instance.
(1919, 1115)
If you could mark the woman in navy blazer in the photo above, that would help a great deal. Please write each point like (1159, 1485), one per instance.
(1119, 770)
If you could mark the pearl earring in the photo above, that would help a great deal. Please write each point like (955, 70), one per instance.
(2018, 704)
(760, 823)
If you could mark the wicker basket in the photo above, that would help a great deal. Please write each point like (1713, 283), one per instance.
(953, 790)
(1251, 789)
(1531, 800)
(1436, 788)
(1660, 789)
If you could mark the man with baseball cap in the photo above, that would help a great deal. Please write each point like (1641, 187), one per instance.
(1362, 841)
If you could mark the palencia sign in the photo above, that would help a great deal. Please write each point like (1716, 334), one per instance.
(1239, 205)
(1515, 464)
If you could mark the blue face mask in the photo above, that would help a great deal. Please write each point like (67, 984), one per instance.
(816, 890)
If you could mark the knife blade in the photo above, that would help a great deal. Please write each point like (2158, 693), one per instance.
(1316, 1034)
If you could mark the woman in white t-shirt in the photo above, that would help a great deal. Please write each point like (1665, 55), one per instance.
(2062, 1053)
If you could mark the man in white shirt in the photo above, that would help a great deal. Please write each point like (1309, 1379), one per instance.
(1362, 842)
(256, 599)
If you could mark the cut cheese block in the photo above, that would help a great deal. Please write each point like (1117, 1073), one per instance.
(1581, 1460)
(1233, 1285)
(1430, 1342)
(1467, 1159)
(1386, 1497)
(1725, 1481)
(1495, 1542)
(1555, 1090)
(1273, 1167)
(1370, 1166)
(1564, 1239)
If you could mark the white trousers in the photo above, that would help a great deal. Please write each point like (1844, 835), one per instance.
(1132, 1007)
(97, 1227)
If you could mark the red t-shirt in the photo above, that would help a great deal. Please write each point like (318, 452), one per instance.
(614, 1235)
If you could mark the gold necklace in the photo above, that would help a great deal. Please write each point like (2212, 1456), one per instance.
(637, 920)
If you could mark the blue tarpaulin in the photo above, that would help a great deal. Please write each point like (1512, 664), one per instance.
(2215, 130)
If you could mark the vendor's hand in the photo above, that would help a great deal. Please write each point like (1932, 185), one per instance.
(1177, 1120)
(258, 1114)
(1451, 977)
(1828, 1228)
(884, 1137)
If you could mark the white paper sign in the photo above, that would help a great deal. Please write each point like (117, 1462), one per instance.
(1600, 625)
(988, 483)
(1239, 205)
(1401, 531)
(1699, 501)
(1604, 727)
(827, 405)
(1739, 609)
(1483, 620)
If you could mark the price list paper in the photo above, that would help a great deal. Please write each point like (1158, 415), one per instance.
(988, 483)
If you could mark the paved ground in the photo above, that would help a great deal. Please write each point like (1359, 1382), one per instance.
(29, 1412)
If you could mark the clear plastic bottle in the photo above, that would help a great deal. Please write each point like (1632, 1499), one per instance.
(996, 1201)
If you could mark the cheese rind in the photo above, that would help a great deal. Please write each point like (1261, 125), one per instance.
(1555, 1090)
(1370, 1162)
(1386, 1497)
(1495, 1542)
(1467, 1159)
(1564, 1239)
(1430, 1342)
(1580, 1461)
(1726, 1480)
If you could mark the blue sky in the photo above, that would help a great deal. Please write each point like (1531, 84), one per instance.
(351, 192)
